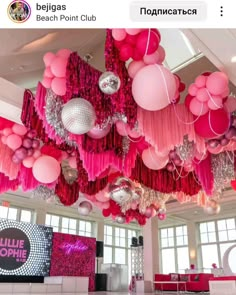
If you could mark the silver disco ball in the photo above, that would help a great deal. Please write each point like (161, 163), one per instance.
(78, 116)
(109, 83)
(85, 208)
(121, 195)
(120, 219)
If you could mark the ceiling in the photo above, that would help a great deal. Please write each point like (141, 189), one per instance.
(21, 63)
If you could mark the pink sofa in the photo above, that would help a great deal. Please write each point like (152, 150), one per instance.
(192, 282)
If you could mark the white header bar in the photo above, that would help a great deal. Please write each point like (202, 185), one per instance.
(116, 14)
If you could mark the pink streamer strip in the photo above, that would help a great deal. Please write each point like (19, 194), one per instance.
(7, 167)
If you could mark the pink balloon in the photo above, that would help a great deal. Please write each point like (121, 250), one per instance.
(198, 108)
(202, 95)
(153, 87)
(121, 128)
(19, 129)
(161, 216)
(64, 156)
(137, 55)
(230, 104)
(72, 162)
(48, 58)
(200, 81)
(7, 131)
(48, 73)
(47, 82)
(102, 197)
(147, 42)
(134, 205)
(14, 141)
(151, 58)
(215, 102)
(46, 169)
(134, 67)
(4, 139)
(36, 154)
(105, 205)
(192, 90)
(162, 54)
(30, 152)
(36, 144)
(133, 133)
(28, 162)
(59, 86)
(217, 83)
(27, 143)
(133, 31)
(118, 34)
(65, 53)
(21, 153)
(32, 134)
(225, 93)
(58, 67)
(126, 52)
(97, 133)
(152, 161)
(216, 150)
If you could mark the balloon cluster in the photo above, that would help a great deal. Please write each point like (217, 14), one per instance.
(208, 93)
(23, 143)
(55, 72)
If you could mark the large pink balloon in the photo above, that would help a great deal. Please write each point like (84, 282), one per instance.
(46, 169)
(217, 83)
(65, 53)
(153, 87)
(152, 160)
(97, 133)
(19, 129)
(134, 67)
(48, 58)
(59, 86)
(58, 67)
(198, 108)
(14, 141)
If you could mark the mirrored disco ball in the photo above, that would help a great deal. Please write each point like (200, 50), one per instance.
(120, 219)
(109, 83)
(78, 116)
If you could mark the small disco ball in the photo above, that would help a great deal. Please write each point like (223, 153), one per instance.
(109, 83)
(78, 116)
(85, 208)
(120, 219)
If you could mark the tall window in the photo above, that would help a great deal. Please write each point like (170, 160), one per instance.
(215, 238)
(70, 225)
(174, 249)
(17, 214)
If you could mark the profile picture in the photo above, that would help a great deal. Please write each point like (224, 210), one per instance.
(19, 11)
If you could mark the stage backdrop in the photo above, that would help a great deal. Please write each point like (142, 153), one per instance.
(25, 249)
(73, 256)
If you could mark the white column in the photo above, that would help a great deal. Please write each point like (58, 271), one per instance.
(41, 216)
(99, 237)
(192, 242)
(151, 250)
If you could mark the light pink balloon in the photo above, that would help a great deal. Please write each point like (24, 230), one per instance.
(200, 81)
(215, 102)
(65, 53)
(217, 83)
(151, 59)
(47, 82)
(58, 67)
(230, 104)
(134, 205)
(198, 108)
(152, 161)
(4, 139)
(36, 154)
(102, 197)
(133, 133)
(7, 131)
(59, 86)
(153, 87)
(19, 129)
(202, 95)
(48, 73)
(46, 169)
(134, 67)
(121, 128)
(118, 34)
(48, 58)
(105, 205)
(28, 162)
(97, 133)
(133, 31)
(14, 141)
(72, 162)
(192, 90)
(162, 54)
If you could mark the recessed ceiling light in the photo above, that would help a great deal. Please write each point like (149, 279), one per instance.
(233, 59)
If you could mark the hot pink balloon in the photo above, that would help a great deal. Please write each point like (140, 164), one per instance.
(48, 58)
(193, 89)
(215, 102)
(46, 169)
(133, 31)
(72, 162)
(47, 82)
(48, 73)
(118, 34)
(230, 104)
(59, 86)
(147, 42)
(134, 67)
(153, 87)
(202, 95)
(161, 216)
(28, 162)
(126, 52)
(14, 141)
(19, 129)
(58, 67)
(198, 108)
(217, 83)
(7, 131)
(152, 161)
(97, 133)
(65, 53)
(200, 81)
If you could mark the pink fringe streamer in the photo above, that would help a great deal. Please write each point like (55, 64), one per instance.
(7, 184)
(7, 167)
(163, 130)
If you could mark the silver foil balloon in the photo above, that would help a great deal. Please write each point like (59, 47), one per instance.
(85, 208)
(109, 83)
(78, 116)
(120, 219)
(121, 195)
